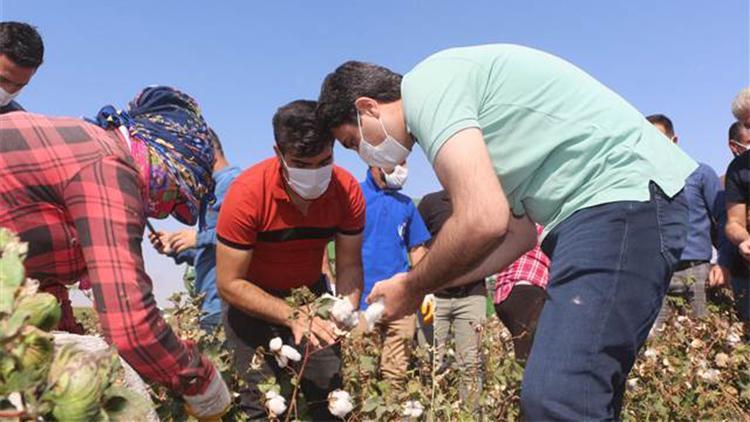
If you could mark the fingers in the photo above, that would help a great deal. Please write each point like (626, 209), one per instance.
(323, 330)
(375, 293)
(297, 336)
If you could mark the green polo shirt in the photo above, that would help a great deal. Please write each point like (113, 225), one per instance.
(559, 140)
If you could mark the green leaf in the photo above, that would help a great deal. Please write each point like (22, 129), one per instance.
(371, 404)
(11, 277)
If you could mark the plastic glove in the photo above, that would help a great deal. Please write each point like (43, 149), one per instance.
(213, 403)
(428, 308)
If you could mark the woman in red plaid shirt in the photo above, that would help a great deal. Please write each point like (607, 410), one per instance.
(80, 194)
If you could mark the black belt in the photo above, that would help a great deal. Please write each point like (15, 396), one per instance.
(684, 265)
(458, 292)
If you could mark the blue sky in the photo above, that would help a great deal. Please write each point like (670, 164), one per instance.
(243, 59)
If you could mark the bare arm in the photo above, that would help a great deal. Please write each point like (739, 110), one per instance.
(737, 223)
(231, 272)
(349, 278)
(737, 228)
(416, 254)
(514, 244)
(235, 289)
(480, 237)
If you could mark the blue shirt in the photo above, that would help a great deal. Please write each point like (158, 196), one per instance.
(203, 256)
(701, 190)
(392, 228)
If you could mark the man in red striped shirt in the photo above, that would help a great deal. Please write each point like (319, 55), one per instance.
(273, 226)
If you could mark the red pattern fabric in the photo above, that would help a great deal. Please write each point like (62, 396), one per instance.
(72, 191)
(532, 267)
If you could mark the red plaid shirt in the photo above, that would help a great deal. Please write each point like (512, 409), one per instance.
(532, 267)
(72, 191)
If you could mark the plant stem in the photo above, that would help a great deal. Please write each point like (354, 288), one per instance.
(293, 399)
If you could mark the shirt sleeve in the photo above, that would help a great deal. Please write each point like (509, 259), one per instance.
(104, 200)
(737, 189)
(354, 217)
(710, 190)
(441, 98)
(238, 222)
(418, 233)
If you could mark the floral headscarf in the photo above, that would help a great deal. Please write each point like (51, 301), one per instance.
(177, 146)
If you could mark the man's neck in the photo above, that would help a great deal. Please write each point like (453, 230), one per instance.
(302, 204)
(377, 176)
(220, 164)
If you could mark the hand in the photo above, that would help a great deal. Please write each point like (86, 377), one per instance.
(428, 308)
(399, 298)
(160, 243)
(744, 249)
(183, 240)
(322, 332)
(213, 403)
(718, 276)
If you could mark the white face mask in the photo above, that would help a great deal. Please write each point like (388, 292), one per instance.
(397, 179)
(743, 146)
(309, 183)
(388, 154)
(6, 97)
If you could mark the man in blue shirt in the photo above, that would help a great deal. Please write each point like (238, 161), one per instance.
(198, 248)
(692, 272)
(394, 235)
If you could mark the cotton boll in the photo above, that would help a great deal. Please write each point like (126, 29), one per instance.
(340, 403)
(290, 353)
(373, 313)
(275, 403)
(275, 344)
(343, 312)
(281, 360)
(413, 409)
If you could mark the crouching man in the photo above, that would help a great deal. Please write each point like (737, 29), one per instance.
(274, 224)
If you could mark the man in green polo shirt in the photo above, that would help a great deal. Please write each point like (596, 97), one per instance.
(518, 136)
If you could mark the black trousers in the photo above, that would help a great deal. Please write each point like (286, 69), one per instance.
(322, 373)
(520, 313)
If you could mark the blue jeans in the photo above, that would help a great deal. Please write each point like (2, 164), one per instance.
(611, 266)
(210, 323)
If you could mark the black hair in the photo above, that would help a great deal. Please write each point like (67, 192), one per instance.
(662, 120)
(297, 131)
(734, 131)
(22, 44)
(215, 142)
(350, 81)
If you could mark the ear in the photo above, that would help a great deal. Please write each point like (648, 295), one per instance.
(367, 105)
(733, 148)
(676, 140)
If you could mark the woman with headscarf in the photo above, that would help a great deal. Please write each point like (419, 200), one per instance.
(81, 193)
